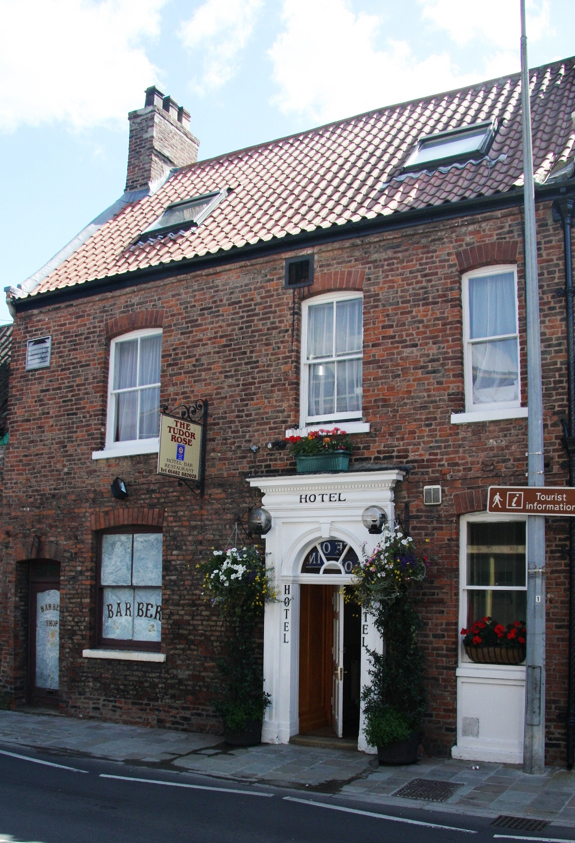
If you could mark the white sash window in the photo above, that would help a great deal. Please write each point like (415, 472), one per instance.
(332, 357)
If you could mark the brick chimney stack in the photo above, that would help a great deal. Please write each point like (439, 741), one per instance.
(160, 139)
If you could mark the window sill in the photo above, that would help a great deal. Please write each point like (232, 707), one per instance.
(347, 427)
(489, 415)
(128, 449)
(124, 655)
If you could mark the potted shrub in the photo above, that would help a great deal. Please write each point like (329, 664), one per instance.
(321, 450)
(489, 642)
(237, 583)
(395, 701)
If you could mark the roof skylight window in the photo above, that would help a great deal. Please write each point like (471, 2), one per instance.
(466, 144)
(187, 213)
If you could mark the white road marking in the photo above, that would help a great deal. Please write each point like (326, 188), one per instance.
(379, 816)
(190, 786)
(38, 761)
(537, 839)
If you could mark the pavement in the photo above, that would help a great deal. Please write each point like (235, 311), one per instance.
(434, 784)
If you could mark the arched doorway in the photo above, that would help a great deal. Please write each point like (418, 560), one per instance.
(44, 632)
(329, 644)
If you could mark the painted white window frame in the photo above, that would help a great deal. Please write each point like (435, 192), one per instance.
(497, 409)
(485, 517)
(308, 422)
(128, 447)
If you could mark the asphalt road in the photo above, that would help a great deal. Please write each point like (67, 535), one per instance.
(58, 799)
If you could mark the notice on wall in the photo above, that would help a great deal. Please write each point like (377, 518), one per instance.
(47, 639)
(38, 353)
(180, 447)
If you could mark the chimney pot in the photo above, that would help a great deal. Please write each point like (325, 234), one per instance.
(153, 97)
(171, 106)
(184, 117)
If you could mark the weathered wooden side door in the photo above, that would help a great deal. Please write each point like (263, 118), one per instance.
(44, 632)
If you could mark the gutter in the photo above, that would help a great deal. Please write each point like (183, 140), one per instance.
(305, 240)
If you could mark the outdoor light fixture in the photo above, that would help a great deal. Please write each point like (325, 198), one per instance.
(373, 519)
(119, 489)
(259, 521)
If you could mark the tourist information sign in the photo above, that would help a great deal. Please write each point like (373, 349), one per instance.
(532, 500)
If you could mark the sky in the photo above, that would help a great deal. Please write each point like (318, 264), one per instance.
(248, 71)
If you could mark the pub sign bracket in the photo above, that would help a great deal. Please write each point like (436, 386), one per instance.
(182, 452)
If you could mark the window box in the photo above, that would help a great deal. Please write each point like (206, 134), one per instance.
(496, 655)
(315, 463)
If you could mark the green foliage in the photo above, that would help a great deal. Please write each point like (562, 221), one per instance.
(242, 697)
(237, 583)
(388, 572)
(395, 702)
(6, 702)
(319, 442)
(397, 673)
(387, 726)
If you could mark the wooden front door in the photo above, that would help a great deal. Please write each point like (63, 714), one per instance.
(44, 632)
(315, 657)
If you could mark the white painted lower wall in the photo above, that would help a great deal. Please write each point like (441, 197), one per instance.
(490, 713)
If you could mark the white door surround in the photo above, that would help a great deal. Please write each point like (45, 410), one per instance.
(305, 509)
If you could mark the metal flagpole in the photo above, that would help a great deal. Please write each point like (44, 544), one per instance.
(534, 743)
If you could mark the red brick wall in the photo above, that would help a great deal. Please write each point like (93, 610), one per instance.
(233, 336)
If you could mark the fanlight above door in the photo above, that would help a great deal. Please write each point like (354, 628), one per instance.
(330, 556)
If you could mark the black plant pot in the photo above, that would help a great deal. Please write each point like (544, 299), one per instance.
(401, 752)
(250, 735)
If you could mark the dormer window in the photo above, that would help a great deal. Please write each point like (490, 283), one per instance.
(466, 144)
(190, 212)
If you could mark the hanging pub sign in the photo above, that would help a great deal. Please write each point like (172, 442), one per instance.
(182, 451)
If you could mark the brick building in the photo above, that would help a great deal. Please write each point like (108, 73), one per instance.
(368, 274)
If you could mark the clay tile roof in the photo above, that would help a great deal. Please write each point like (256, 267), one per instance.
(346, 171)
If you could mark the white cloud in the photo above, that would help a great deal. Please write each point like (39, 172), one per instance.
(218, 31)
(80, 62)
(328, 64)
(496, 22)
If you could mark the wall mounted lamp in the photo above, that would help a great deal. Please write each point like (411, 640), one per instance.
(259, 521)
(374, 519)
(119, 489)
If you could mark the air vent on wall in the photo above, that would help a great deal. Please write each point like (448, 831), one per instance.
(432, 495)
(299, 271)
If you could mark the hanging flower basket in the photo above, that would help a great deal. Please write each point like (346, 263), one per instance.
(330, 461)
(496, 655)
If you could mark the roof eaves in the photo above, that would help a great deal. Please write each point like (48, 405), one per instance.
(288, 241)
(30, 284)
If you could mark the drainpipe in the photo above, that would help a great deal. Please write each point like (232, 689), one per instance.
(563, 212)
(534, 740)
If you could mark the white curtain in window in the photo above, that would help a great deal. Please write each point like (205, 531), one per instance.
(320, 331)
(149, 412)
(150, 360)
(348, 326)
(349, 385)
(126, 364)
(321, 389)
(126, 416)
(495, 368)
(492, 305)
